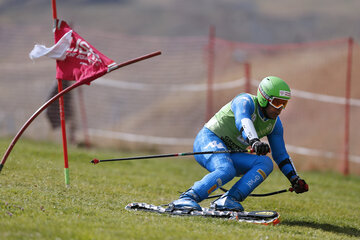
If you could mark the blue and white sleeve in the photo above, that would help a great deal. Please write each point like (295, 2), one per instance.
(243, 107)
(279, 153)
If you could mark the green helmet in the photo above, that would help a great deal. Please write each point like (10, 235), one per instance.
(271, 87)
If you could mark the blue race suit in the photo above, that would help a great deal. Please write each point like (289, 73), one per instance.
(223, 167)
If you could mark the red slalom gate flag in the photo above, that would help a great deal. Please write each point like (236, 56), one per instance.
(83, 62)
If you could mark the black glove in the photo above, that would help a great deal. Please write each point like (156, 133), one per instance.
(260, 148)
(299, 185)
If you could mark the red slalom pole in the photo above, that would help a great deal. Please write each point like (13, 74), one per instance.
(210, 73)
(63, 132)
(345, 169)
(62, 113)
(53, 3)
(247, 77)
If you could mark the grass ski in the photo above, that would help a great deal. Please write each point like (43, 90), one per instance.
(258, 217)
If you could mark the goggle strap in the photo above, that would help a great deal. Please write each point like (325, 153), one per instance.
(263, 93)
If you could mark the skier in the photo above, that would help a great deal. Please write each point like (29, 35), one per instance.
(241, 124)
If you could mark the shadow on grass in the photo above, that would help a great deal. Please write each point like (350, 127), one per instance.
(350, 231)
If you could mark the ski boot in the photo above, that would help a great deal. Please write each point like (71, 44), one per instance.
(227, 203)
(187, 201)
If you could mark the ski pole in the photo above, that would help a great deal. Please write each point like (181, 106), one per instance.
(256, 194)
(96, 161)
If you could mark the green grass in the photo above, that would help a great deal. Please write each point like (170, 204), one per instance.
(35, 204)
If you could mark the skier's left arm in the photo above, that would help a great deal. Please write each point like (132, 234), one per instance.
(283, 160)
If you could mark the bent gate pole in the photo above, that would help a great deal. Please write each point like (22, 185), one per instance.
(57, 96)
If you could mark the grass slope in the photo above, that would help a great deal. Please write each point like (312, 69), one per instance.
(35, 204)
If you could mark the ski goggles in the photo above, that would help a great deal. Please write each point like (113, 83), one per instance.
(278, 102)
